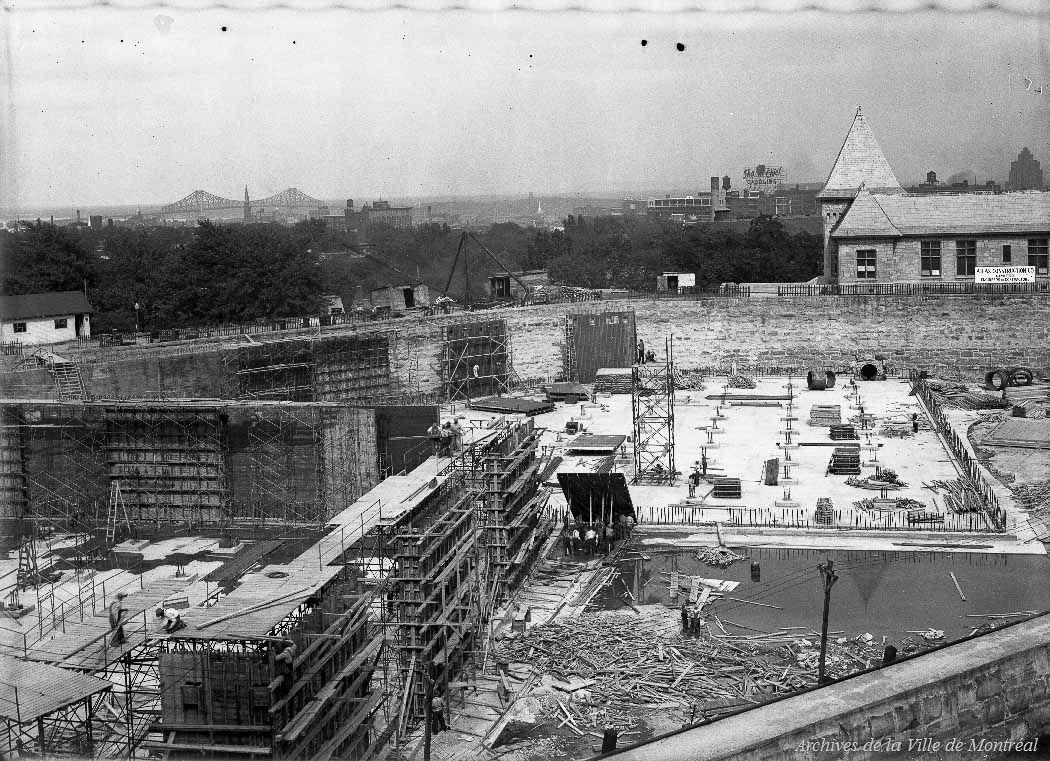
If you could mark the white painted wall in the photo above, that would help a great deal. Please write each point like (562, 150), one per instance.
(43, 330)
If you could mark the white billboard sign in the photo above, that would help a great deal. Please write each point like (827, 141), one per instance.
(1004, 275)
(764, 179)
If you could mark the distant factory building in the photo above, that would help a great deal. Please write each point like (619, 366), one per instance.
(874, 232)
(44, 318)
(933, 185)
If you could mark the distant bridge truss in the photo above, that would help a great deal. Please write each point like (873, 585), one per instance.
(201, 200)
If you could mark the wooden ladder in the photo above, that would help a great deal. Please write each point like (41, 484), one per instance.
(116, 505)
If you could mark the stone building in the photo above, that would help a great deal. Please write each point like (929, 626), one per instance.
(874, 232)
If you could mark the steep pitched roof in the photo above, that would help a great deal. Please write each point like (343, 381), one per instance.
(948, 214)
(865, 218)
(860, 162)
(36, 305)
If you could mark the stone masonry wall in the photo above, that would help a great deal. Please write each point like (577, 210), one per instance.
(949, 336)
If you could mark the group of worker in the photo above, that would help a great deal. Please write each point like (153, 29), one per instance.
(643, 355)
(691, 621)
(448, 437)
(699, 473)
(595, 538)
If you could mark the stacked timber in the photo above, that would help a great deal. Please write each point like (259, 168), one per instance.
(845, 461)
(727, 488)
(825, 414)
(613, 380)
(825, 514)
(843, 433)
(566, 392)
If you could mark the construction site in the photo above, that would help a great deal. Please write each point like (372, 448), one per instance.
(289, 548)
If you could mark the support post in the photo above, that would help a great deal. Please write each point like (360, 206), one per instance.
(830, 577)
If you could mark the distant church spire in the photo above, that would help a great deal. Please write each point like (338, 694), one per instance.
(247, 206)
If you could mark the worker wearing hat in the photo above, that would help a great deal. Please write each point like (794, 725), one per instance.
(116, 612)
(172, 619)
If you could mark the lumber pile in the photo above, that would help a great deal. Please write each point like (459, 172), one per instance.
(719, 557)
(613, 380)
(825, 414)
(959, 496)
(844, 432)
(845, 461)
(727, 488)
(825, 514)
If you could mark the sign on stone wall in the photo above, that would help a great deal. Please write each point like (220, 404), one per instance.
(1004, 275)
(764, 179)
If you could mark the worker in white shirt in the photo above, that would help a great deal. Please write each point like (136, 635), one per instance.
(172, 619)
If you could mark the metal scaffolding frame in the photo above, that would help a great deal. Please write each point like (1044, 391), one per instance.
(220, 463)
(476, 359)
(652, 406)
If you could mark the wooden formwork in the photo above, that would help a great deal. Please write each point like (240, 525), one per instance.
(226, 696)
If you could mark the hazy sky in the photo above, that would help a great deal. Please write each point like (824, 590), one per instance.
(144, 106)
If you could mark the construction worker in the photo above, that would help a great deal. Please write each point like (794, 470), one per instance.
(703, 463)
(116, 612)
(437, 714)
(590, 540)
(610, 535)
(694, 481)
(685, 618)
(915, 422)
(172, 619)
(284, 665)
(641, 352)
(457, 436)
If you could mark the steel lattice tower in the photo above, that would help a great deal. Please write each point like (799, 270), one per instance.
(652, 404)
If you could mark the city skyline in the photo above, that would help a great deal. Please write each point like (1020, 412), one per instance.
(120, 107)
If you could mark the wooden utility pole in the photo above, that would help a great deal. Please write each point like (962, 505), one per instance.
(428, 712)
(827, 571)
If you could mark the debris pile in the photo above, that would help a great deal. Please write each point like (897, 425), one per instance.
(885, 479)
(629, 669)
(1034, 496)
(741, 381)
(959, 395)
(720, 557)
(900, 503)
(689, 380)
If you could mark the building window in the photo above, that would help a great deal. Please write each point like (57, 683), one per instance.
(965, 257)
(865, 264)
(20, 327)
(1007, 255)
(60, 323)
(930, 258)
(1037, 255)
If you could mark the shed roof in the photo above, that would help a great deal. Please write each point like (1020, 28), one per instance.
(879, 215)
(52, 304)
(42, 689)
(860, 162)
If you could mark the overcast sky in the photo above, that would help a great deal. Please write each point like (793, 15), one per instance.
(108, 106)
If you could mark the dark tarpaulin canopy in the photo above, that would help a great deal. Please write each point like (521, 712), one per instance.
(590, 494)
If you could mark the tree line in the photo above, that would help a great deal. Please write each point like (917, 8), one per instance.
(215, 273)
